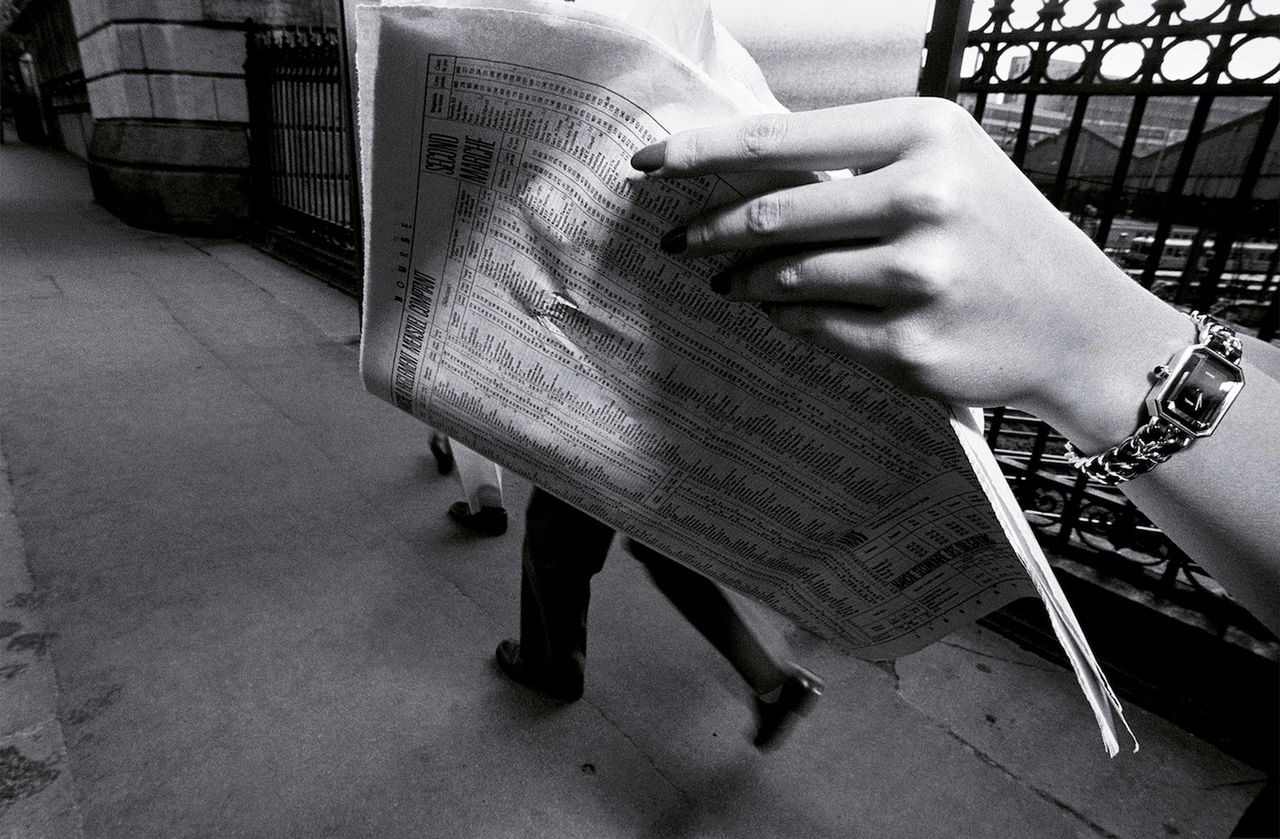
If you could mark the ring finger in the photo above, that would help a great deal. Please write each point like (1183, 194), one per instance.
(856, 274)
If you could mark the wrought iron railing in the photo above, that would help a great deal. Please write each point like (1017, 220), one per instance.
(1156, 131)
(1095, 525)
(299, 140)
(1153, 128)
(1170, 638)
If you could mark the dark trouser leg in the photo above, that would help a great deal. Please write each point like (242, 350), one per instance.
(704, 605)
(563, 549)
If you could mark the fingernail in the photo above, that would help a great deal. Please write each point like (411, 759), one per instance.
(675, 240)
(650, 158)
(720, 282)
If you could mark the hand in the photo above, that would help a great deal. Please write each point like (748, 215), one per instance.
(941, 266)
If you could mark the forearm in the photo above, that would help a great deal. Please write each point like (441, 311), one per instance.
(1217, 498)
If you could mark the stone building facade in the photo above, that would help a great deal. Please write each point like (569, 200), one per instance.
(165, 84)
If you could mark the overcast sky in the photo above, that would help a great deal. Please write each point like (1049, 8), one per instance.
(795, 33)
(754, 19)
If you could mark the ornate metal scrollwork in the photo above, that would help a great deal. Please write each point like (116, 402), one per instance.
(1232, 45)
(1094, 524)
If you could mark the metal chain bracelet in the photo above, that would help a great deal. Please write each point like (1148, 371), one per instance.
(1149, 446)
(1158, 439)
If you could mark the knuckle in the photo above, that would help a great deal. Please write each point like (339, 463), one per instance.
(765, 215)
(912, 348)
(919, 274)
(931, 200)
(787, 279)
(761, 134)
(940, 118)
(684, 150)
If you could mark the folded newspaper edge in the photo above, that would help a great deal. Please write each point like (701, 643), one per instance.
(740, 86)
(967, 423)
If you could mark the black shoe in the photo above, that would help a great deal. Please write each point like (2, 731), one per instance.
(487, 521)
(566, 688)
(443, 453)
(775, 719)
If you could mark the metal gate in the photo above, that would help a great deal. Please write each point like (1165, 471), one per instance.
(300, 145)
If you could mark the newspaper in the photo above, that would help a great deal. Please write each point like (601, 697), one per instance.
(515, 298)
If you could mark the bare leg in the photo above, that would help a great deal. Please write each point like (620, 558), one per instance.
(783, 691)
(704, 604)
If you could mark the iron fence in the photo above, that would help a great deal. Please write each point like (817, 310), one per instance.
(1155, 130)
(299, 143)
(1095, 526)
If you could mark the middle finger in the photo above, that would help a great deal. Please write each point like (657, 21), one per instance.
(829, 211)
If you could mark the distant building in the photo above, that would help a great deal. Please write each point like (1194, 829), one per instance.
(1227, 141)
(1096, 157)
(1164, 119)
(1220, 159)
(1213, 179)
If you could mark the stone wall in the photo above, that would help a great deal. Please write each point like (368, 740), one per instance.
(42, 67)
(166, 88)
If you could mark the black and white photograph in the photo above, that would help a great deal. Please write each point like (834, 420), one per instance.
(887, 389)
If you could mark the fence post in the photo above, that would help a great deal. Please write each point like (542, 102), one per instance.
(257, 90)
(944, 48)
(995, 419)
(355, 193)
(1270, 318)
(1027, 491)
(1071, 510)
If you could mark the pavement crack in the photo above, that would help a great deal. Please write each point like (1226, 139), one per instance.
(1003, 659)
(891, 668)
(1246, 782)
(648, 758)
(1042, 794)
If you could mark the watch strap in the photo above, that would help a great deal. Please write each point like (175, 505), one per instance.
(1218, 337)
(1157, 440)
(1148, 447)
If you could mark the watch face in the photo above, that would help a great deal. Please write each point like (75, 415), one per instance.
(1199, 391)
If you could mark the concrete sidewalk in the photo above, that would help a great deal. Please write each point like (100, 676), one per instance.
(262, 624)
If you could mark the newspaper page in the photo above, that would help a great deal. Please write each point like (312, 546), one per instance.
(516, 299)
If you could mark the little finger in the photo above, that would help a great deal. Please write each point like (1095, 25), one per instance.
(886, 342)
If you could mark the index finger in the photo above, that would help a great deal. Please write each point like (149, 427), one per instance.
(865, 136)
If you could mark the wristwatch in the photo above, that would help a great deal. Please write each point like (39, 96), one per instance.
(1191, 396)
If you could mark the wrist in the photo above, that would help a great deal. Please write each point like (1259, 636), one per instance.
(1100, 397)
